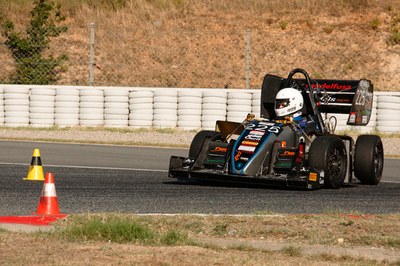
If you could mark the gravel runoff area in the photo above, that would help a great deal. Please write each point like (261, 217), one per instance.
(167, 138)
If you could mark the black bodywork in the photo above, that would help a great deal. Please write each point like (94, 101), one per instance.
(277, 151)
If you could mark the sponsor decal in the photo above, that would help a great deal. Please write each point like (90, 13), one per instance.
(352, 118)
(237, 156)
(331, 86)
(246, 148)
(256, 132)
(219, 149)
(262, 123)
(253, 137)
(312, 176)
(364, 119)
(343, 100)
(289, 153)
(244, 158)
(250, 143)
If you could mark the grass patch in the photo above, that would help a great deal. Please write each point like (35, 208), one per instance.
(243, 247)
(220, 229)
(343, 260)
(292, 251)
(394, 30)
(173, 237)
(375, 23)
(110, 229)
(116, 228)
(283, 25)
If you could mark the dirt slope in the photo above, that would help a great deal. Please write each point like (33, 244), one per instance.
(202, 43)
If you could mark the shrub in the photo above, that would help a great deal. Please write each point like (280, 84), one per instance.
(32, 66)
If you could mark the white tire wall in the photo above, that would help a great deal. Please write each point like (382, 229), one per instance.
(41, 107)
(239, 105)
(388, 118)
(165, 108)
(66, 107)
(256, 103)
(116, 102)
(91, 107)
(1, 106)
(16, 101)
(213, 108)
(22, 105)
(189, 109)
(141, 109)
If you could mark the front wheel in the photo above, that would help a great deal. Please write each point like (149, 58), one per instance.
(368, 159)
(198, 140)
(328, 155)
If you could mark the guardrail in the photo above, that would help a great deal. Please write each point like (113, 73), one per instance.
(185, 108)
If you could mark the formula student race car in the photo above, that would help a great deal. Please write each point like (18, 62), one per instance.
(276, 150)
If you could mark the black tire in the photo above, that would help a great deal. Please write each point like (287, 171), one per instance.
(368, 159)
(198, 140)
(328, 154)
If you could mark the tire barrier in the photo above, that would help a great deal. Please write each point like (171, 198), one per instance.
(1, 106)
(91, 107)
(388, 118)
(41, 107)
(141, 109)
(66, 107)
(213, 108)
(256, 103)
(165, 109)
(116, 107)
(189, 109)
(239, 104)
(16, 107)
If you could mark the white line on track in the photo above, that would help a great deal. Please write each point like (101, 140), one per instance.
(125, 169)
(93, 167)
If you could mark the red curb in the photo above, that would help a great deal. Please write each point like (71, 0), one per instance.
(32, 220)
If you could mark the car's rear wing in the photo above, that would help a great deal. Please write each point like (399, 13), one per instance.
(353, 97)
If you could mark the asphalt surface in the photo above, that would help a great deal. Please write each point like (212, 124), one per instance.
(100, 178)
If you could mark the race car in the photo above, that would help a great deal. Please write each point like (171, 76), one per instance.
(276, 150)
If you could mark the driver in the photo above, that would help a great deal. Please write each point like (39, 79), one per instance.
(288, 103)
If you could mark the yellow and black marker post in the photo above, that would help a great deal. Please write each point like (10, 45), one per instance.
(35, 172)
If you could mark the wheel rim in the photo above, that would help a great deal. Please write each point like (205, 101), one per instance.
(335, 163)
(378, 154)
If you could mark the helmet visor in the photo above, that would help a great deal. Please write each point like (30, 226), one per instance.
(281, 103)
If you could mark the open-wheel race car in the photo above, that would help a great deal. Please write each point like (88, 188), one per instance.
(296, 151)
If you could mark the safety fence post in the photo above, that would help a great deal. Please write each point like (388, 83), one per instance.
(91, 54)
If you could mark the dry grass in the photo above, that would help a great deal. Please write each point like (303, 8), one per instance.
(202, 43)
(210, 240)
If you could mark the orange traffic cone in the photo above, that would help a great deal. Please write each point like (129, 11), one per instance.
(35, 172)
(48, 203)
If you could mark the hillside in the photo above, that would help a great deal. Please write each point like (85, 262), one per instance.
(202, 43)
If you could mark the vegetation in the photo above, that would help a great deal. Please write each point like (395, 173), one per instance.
(394, 37)
(355, 229)
(99, 239)
(32, 65)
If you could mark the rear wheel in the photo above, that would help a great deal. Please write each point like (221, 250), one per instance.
(198, 140)
(328, 154)
(368, 159)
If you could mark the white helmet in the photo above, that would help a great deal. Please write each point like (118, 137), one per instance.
(288, 101)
